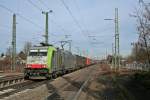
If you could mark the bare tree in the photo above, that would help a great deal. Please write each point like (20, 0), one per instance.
(143, 27)
(27, 47)
(2, 54)
(9, 51)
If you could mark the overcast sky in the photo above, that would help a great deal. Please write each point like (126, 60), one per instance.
(88, 20)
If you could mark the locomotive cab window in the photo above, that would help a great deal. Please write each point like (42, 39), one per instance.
(38, 53)
(33, 54)
(42, 53)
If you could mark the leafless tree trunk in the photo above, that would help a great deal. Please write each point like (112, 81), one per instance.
(27, 47)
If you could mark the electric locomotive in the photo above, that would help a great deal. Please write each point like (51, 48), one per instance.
(49, 62)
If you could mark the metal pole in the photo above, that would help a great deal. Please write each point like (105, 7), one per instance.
(115, 40)
(117, 46)
(46, 25)
(118, 41)
(14, 43)
(46, 28)
(117, 51)
(112, 55)
(106, 57)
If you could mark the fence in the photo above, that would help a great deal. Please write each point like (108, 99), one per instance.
(6, 67)
(138, 66)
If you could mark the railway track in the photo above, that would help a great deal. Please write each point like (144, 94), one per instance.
(10, 90)
(11, 80)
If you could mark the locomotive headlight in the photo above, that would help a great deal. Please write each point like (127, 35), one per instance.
(28, 66)
(44, 66)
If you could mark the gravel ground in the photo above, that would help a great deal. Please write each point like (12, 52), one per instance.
(6, 75)
(10, 74)
(68, 85)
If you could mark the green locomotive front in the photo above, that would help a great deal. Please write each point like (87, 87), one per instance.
(39, 61)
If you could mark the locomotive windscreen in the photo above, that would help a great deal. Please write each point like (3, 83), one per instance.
(38, 53)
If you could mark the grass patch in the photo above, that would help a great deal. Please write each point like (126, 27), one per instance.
(143, 79)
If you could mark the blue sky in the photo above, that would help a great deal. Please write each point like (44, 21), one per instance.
(90, 15)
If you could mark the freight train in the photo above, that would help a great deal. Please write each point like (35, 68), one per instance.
(49, 62)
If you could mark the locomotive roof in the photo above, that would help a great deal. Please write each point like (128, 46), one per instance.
(41, 47)
(46, 48)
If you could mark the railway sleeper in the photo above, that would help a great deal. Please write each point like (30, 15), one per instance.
(6, 83)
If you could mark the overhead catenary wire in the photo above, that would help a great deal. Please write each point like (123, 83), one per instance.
(79, 10)
(61, 28)
(46, 34)
(43, 4)
(9, 10)
(52, 21)
(76, 22)
(65, 5)
(28, 20)
(37, 7)
(74, 19)
(82, 18)
(83, 24)
(21, 16)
